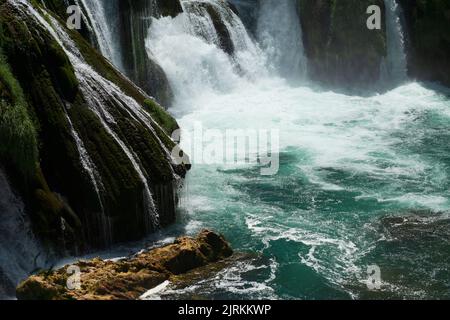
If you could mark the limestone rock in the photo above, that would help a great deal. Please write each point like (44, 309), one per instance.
(129, 278)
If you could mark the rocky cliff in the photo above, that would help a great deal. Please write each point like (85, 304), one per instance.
(427, 25)
(341, 50)
(87, 149)
(134, 19)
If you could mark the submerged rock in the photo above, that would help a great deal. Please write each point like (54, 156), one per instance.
(419, 225)
(129, 278)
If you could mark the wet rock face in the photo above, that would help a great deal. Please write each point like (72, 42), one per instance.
(134, 18)
(339, 46)
(248, 11)
(225, 42)
(129, 278)
(412, 252)
(66, 207)
(428, 25)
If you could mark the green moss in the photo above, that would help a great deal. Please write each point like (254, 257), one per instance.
(161, 116)
(63, 71)
(18, 141)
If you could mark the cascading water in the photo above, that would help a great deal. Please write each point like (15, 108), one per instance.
(219, 25)
(97, 91)
(396, 67)
(20, 252)
(280, 35)
(120, 28)
(95, 88)
(346, 163)
(176, 43)
(102, 29)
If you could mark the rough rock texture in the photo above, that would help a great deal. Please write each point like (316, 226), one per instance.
(341, 50)
(428, 26)
(129, 278)
(40, 90)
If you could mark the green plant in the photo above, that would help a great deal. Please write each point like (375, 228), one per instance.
(18, 141)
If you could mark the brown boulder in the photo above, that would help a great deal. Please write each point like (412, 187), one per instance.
(129, 278)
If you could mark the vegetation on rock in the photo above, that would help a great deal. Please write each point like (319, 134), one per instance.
(18, 136)
(40, 92)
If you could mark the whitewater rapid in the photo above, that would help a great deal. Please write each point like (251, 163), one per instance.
(346, 162)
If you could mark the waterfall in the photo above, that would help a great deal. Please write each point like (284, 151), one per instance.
(20, 252)
(97, 91)
(120, 28)
(104, 222)
(247, 13)
(216, 23)
(96, 11)
(204, 49)
(280, 35)
(395, 68)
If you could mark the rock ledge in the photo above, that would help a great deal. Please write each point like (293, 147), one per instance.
(129, 278)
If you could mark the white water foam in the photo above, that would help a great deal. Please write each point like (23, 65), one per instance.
(329, 132)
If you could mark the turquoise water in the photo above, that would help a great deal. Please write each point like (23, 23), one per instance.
(327, 215)
(363, 181)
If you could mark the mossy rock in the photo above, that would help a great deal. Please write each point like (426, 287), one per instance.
(341, 50)
(18, 135)
(62, 191)
(169, 7)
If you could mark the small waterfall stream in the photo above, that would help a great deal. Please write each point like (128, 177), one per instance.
(108, 44)
(95, 88)
(280, 34)
(396, 67)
